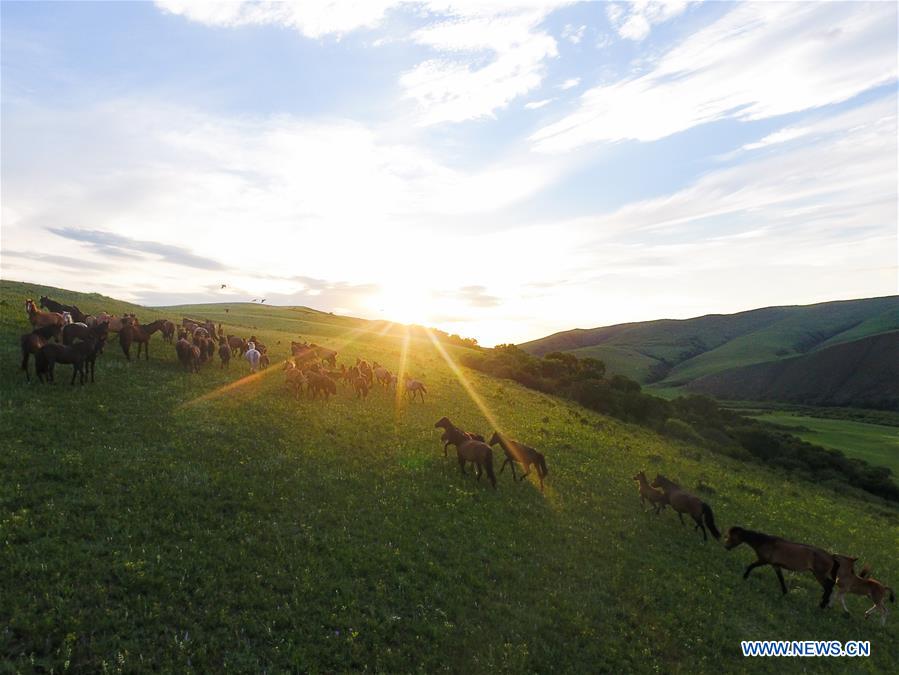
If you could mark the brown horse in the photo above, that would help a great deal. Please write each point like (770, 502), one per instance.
(382, 375)
(238, 345)
(684, 502)
(325, 354)
(224, 354)
(32, 342)
(188, 355)
(414, 387)
(468, 450)
(788, 555)
(134, 332)
(294, 379)
(168, 331)
(522, 454)
(360, 386)
(848, 582)
(320, 384)
(40, 319)
(648, 493)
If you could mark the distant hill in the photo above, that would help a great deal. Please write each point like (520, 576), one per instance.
(673, 353)
(863, 372)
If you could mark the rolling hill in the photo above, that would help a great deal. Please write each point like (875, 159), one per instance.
(159, 520)
(672, 353)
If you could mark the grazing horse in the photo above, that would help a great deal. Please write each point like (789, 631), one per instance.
(32, 342)
(325, 354)
(414, 387)
(40, 319)
(848, 582)
(468, 450)
(188, 355)
(648, 493)
(78, 355)
(684, 502)
(168, 331)
(788, 555)
(77, 315)
(134, 332)
(521, 453)
(360, 386)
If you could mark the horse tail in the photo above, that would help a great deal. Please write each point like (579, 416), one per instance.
(834, 568)
(710, 520)
(542, 462)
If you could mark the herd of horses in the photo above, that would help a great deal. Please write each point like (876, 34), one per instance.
(64, 334)
(833, 571)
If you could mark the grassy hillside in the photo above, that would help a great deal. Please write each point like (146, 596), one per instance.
(875, 443)
(209, 522)
(863, 372)
(672, 353)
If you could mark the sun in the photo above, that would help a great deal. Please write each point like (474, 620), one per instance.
(404, 304)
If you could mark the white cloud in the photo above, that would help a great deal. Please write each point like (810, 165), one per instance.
(574, 34)
(759, 60)
(534, 105)
(312, 18)
(634, 20)
(570, 83)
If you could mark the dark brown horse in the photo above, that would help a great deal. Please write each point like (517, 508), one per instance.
(224, 353)
(320, 384)
(522, 454)
(788, 555)
(168, 331)
(81, 356)
(77, 315)
(684, 502)
(32, 342)
(468, 450)
(188, 355)
(134, 332)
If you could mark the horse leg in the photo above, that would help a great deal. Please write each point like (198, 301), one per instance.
(526, 473)
(477, 467)
(752, 566)
(780, 578)
(681, 516)
(462, 464)
(503, 467)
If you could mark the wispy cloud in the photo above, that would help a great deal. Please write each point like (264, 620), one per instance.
(634, 20)
(534, 105)
(570, 83)
(759, 60)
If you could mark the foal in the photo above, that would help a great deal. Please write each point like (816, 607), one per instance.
(788, 555)
(684, 502)
(656, 498)
(468, 450)
(860, 584)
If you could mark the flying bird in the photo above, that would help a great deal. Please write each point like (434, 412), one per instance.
(255, 299)
(263, 300)
(224, 286)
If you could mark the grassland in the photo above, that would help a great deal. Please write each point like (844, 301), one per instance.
(874, 443)
(158, 520)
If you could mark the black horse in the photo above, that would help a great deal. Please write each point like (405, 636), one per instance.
(77, 315)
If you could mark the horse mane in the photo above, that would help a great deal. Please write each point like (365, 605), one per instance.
(752, 537)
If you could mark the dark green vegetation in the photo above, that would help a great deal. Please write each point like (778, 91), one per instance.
(169, 521)
(875, 443)
(693, 419)
(709, 352)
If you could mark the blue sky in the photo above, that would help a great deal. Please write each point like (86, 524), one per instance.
(503, 170)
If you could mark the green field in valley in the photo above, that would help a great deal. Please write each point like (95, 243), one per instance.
(158, 520)
(875, 443)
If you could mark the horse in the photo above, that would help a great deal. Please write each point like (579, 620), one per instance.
(788, 555)
(224, 354)
(468, 450)
(684, 502)
(360, 386)
(188, 355)
(134, 332)
(320, 384)
(40, 319)
(648, 493)
(238, 345)
(382, 375)
(32, 342)
(521, 453)
(78, 355)
(365, 370)
(81, 331)
(848, 582)
(168, 331)
(294, 379)
(325, 354)
(77, 315)
(117, 323)
(414, 387)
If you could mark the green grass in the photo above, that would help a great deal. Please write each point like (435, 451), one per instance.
(874, 443)
(157, 520)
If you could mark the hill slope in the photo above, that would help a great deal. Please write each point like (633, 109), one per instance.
(673, 353)
(210, 522)
(863, 372)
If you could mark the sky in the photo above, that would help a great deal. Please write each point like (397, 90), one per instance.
(498, 169)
